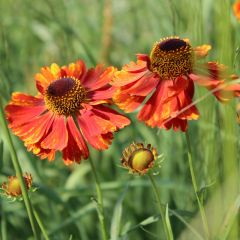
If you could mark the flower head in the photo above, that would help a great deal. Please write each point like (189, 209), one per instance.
(171, 57)
(139, 159)
(12, 187)
(167, 75)
(67, 112)
(236, 9)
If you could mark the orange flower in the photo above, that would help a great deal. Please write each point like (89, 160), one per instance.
(13, 188)
(67, 112)
(169, 74)
(236, 9)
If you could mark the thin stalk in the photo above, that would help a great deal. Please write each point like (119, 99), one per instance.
(99, 202)
(18, 172)
(40, 224)
(194, 183)
(3, 223)
(161, 209)
(99, 192)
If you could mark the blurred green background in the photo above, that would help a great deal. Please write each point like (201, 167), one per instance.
(37, 33)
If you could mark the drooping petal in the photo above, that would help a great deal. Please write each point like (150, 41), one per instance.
(117, 119)
(215, 81)
(22, 108)
(98, 124)
(97, 141)
(58, 137)
(32, 131)
(184, 109)
(158, 97)
(123, 77)
(22, 99)
(102, 95)
(176, 124)
(134, 82)
(144, 85)
(167, 109)
(126, 102)
(41, 152)
(76, 148)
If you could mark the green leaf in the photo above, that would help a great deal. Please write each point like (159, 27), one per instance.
(168, 224)
(229, 219)
(117, 215)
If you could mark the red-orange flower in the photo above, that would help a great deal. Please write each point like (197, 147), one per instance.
(168, 77)
(13, 188)
(236, 9)
(67, 112)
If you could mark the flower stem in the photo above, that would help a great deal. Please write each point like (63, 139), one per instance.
(3, 222)
(40, 224)
(161, 209)
(194, 182)
(18, 172)
(99, 202)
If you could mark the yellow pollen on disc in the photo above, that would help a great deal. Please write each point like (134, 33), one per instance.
(65, 96)
(171, 58)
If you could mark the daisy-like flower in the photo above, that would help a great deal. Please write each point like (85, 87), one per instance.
(236, 9)
(168, 77)
(12, 188)
(139, 159)
(67, 112)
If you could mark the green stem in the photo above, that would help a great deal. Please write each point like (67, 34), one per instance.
(40, 224)
(3, 223)
(161, 209)
(194, 182)
(100, 202)
(18, 172)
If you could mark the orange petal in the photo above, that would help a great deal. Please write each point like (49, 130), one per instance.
(162, 108)
(202, 51)
(104, 78)
(23, 108)
(122, 78)
(55, 69)
(92, 76)
(58, 137)
(236, 9)
(44, 78)
(135, 67)
(111, 115)
(127, 102)
(76, 148)
(98, 124)
(144, 85)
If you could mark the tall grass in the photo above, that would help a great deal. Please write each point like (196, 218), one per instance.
(37, 33)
